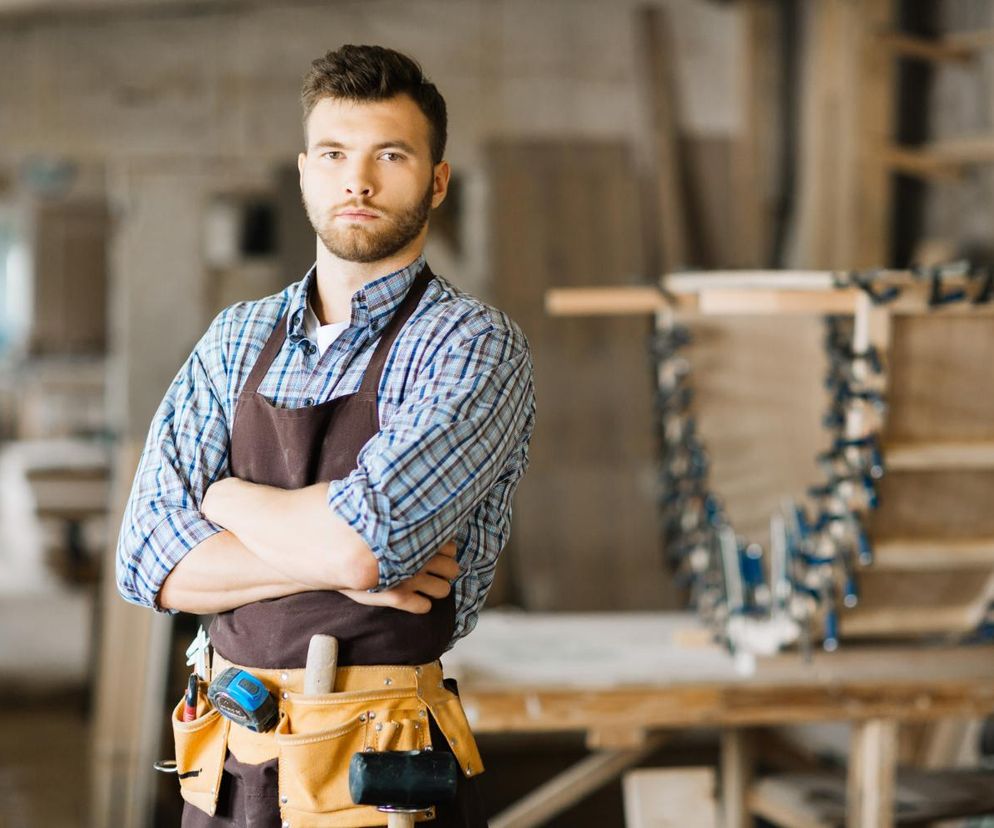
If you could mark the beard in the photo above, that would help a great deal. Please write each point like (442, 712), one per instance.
(357, 243)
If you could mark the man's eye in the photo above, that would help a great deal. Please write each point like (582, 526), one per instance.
(392, 156)
(332, 154)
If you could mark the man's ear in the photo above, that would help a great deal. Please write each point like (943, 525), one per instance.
(301, 160)
(440, 183)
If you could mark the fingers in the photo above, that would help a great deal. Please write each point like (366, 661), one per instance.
(442, 566)
(431, 585)
(448, 548)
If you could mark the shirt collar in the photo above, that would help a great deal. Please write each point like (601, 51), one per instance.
(372, 305)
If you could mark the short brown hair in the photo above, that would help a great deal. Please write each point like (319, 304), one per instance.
(375, 73)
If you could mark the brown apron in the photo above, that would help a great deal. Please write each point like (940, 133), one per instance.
(293, 448)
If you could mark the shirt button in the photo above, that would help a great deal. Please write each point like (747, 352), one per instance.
(309, 401)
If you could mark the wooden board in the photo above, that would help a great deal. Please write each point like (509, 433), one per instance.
(941, 379)
(585, 531)
(938, 490)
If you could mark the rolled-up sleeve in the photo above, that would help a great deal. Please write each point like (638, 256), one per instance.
(458, 434)
(186, 450)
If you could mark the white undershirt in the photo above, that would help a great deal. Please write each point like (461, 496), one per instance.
(324, 335)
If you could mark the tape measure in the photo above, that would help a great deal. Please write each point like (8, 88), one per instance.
(241, 697)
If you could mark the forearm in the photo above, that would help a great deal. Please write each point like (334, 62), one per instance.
(220, 574)
(294, 531)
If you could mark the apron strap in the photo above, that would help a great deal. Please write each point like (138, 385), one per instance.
(374, 371)
(265, 359)
(371, 378)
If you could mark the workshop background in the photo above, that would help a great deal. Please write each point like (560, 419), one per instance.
(148, 179)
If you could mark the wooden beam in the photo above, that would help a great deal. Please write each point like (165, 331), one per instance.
(736, 777)
(944, 160)
(604, 301)
(663, 173)
(934, 49)
(872, 774)
(703, 705)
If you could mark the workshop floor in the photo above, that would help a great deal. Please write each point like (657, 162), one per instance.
(43, 763)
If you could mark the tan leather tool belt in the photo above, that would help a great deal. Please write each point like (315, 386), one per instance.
(379, 707)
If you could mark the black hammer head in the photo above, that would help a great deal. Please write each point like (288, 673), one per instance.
(409, 779)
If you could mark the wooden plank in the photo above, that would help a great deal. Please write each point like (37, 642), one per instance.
(868, 214)
(941, 389)
(938, 49)
(776, 302)
(130, 689)
(945, 454)
(786, 804)
(935, 505)
(872, 774)
(917, 554)
(753, 148)
(905, 621)
(545, 710)
(604, 301)
(669, 798)
(662, 174)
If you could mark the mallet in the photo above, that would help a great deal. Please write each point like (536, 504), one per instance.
(403, 783)
(322, 661)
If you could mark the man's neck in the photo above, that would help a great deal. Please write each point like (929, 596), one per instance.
(338, 280)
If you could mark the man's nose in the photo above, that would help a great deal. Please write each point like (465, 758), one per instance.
(358, 182)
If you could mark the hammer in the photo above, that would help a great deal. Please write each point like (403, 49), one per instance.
(403, 783)
(322, 661)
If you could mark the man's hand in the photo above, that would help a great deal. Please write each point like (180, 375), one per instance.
(219, 498)
(433, 580)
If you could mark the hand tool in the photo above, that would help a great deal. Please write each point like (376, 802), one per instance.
(241, 697)
(403, 783)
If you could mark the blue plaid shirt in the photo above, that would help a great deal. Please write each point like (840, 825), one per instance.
(456, 405)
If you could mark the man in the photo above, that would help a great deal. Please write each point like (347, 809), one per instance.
(338, 458)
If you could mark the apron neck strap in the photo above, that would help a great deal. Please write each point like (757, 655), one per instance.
(371, 379)
(265, 359)
(374, 371)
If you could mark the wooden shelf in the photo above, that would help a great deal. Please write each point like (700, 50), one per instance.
(908, 554)
(923, 456)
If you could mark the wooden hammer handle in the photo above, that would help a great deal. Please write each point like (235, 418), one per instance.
(322, 661)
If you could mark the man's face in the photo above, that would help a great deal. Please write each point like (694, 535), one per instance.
(367, 178)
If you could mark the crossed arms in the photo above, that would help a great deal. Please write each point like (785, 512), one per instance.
(278, 542)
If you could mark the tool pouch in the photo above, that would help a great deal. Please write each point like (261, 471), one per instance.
(316, 738)
(201, 746)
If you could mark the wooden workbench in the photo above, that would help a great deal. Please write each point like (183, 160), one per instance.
(623, 678)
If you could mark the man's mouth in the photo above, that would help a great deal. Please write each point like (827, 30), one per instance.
(357, 215)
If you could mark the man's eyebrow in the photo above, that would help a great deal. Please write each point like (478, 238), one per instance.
(396, 144)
